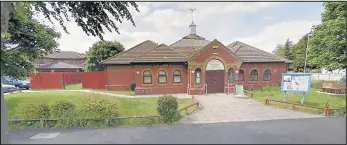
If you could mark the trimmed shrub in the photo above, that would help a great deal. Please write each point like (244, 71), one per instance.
(59, 108)
(168, 108)
(33, 109)
(96, 106)
(132, 86)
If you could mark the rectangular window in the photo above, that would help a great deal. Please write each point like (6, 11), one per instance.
(147, 79)
(177, 79)
(162, 79)
(197, 79)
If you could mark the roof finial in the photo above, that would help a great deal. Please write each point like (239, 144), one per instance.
(192, 13)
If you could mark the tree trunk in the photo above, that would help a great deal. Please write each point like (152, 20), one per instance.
(6, 7)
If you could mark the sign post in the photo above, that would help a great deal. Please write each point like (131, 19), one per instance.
(295, 82)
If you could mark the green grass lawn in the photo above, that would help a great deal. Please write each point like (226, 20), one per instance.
(129, 106)
(312, 98)
(73, 86)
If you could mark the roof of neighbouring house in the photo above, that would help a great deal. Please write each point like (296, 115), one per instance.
(65, 54)
(58, 64)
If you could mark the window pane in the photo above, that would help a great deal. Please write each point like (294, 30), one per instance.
(162, 72)
(198, 74)
(177, 72)
(177, 79)
(147, 73)
(162, 79)
(197, 80)
(147, 80)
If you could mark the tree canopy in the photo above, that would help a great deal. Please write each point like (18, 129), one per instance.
(327, 46)
(100, 51)
(26, 39)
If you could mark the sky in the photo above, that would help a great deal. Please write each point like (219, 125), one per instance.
(260, 24)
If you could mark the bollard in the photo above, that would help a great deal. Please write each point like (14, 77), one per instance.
(326, 111)
(293, 106)
(267, 101)
(251, 94)
(41, 122)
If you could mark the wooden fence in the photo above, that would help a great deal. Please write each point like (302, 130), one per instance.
(57, 80)
(326, 111)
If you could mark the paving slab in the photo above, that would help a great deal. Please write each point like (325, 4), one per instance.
(228, 108)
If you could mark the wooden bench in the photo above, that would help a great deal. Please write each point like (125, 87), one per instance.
(333, 88)
(327, 87)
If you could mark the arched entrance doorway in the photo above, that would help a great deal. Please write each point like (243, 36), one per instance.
(215, 76)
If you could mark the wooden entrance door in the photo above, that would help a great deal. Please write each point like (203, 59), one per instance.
(215, 81)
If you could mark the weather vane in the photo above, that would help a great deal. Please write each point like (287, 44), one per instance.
(192, 13)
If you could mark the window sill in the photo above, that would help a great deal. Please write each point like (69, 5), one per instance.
(162, 84)
(253, 82)
(148, 85)
(269, 81)
(177, 84)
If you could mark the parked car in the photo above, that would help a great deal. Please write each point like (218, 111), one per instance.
(8, 88)
(20, 84)
(25, 85)
(343, 79)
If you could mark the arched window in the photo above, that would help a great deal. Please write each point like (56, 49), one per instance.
(254, 75)
(231, 75)
(241, 75)
(162, 77)
(176, 76)
(267, 75)
(147, 77)
(197, 76)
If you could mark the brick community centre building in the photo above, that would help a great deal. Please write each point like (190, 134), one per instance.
(192, 65)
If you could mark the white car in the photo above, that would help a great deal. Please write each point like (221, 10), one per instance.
(8, 88)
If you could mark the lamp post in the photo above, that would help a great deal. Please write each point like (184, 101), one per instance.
(308, 38)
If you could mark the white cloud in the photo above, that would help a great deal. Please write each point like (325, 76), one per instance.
(167, 22)
(270, 36)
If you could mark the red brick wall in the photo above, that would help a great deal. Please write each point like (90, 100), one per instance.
(276, 70)
(120, 77)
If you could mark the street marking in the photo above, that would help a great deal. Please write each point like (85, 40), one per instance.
(45, 135)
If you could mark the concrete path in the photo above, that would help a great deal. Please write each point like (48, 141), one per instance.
(180, 96)
(228, 108)
(325, 130)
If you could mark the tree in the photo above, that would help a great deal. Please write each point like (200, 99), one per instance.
(100, 51)
(26, 40)
(299, 53)
(279, 51)
(327, 46)
(287, 50)
(91, 16)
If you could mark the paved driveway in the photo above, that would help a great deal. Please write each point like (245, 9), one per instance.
(228, 108)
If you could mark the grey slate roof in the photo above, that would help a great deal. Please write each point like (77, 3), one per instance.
(249, 53)
(162, 53)
(127, 56)
(58, 64)
(65, 54)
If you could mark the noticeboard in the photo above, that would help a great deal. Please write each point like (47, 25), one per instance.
(295, 82)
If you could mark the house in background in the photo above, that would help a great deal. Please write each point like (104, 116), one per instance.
(193, 65)
(63, 61)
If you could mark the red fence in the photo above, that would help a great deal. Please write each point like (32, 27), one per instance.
(57, 80)
(46, 80)
(94, 80)
(72, 77)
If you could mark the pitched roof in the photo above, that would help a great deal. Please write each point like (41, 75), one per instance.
(127, 56)
(58, 64)
(249, 53)
(65, 54)
(162, 53)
